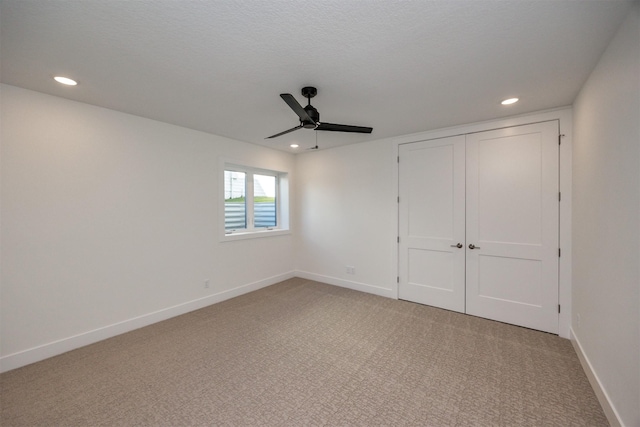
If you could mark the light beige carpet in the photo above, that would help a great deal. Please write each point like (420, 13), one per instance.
(306, 353)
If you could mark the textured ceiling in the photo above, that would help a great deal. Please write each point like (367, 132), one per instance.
(397, 66)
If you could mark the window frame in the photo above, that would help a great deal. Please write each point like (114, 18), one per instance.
(282, 203)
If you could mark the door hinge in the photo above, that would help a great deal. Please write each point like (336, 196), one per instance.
(398, 159)
(558, 308)
(397, 279)
(398, 199)
(398, 239)
(559, 196)
(559, 252)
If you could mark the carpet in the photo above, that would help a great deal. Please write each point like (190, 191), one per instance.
(307, 353)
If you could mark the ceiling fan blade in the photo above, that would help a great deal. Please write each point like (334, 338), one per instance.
(343, 128)
(296, 107)
(286, 131)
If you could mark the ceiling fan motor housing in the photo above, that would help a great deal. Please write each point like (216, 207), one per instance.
(314, 115)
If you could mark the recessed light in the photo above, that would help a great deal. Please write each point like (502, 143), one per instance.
(509, 101)
(294, 146)
(65, 81)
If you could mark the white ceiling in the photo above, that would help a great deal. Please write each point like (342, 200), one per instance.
(218, 66)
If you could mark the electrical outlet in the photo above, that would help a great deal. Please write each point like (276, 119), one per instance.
(206, 284)
(351, 269)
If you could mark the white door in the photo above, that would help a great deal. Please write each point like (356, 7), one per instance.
(432, 222)
(495, 193)
(512, 225)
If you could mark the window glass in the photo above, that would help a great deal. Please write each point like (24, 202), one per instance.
(264, 200)
(235, 201)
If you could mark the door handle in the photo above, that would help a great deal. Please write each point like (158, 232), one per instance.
(459, 245)
(472, 246)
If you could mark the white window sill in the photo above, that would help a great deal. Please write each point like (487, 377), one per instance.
(241, 235)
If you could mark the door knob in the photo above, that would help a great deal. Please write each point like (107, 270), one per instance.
(472, 246)
(459, 245)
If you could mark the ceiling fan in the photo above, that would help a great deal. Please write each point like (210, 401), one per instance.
(310, 117)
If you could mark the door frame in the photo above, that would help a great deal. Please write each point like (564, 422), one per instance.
(565, 120)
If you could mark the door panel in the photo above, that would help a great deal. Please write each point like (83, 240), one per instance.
(431, 268)
(512, 219)
(508, 186)
(430, 191)
(431, 212)
(510, 279)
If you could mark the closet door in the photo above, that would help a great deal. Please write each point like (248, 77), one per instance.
(512, 225)
(431, 222)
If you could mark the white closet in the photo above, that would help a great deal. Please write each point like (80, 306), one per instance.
(479, 224)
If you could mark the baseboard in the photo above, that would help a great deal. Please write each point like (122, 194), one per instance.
(356, 286)
(45, 351)
(607, 406)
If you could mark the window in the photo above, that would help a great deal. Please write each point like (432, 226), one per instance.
(255, 202)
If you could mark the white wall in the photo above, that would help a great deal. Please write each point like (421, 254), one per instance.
(110, 221)
(606, 222)
(346, 210)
